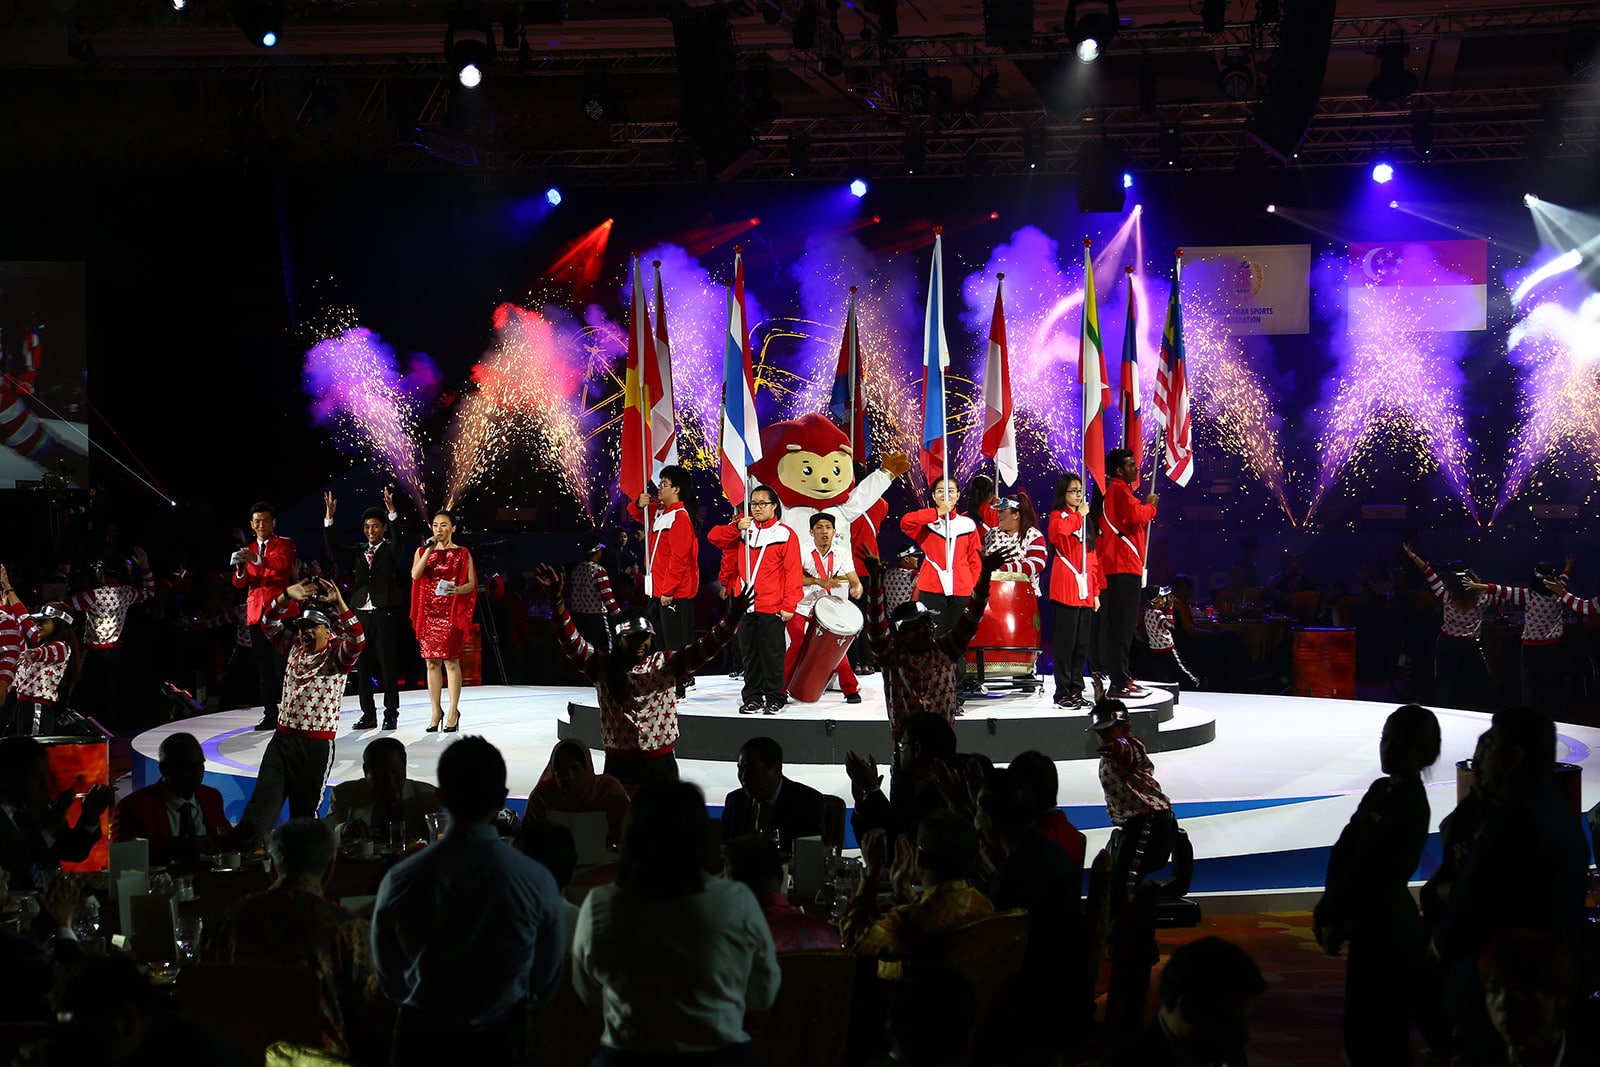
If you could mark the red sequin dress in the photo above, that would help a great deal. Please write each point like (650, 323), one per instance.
(442, 622)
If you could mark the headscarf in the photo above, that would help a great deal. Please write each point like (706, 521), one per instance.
(594, 792)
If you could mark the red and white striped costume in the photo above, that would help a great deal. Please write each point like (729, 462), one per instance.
(106, 609)
(41, 667)
(1581, 607)
(20, 430)
(10, 646)
(1158, 629)
(1459, 621)
(1128, 778)
(590, 589)
(1025, 552)
(235, 615)
(650, 727)
(1543, 618)
(919, 682)
(313, 682)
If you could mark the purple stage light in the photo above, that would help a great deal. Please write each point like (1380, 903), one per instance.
(552, 196)
(1127, 180)
(1383, 173)
(858, 188)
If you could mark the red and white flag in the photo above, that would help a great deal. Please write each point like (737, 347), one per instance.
(1418, 286)
(999, 420)
(1172, 390)
(663, 416)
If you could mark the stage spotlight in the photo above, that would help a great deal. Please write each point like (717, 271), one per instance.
(1272, 209)
(1394, 81)
(1567, 261)
(1235, 78)
(261, 21)
(552, 196)
(1127, 180)
(178, 5)
(1382, 173)
(1394, 203)
(1529, 199)
(469, 48)
(858, 188)
(1091, 33)
(994, 216)
(913, 93)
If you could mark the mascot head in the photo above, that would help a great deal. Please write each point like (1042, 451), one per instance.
(808, 461)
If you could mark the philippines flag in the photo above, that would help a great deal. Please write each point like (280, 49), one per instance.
(636, 397)
(658, 378)
(1132, 422)
(848, 404)
(1092, 376)
(999, 421)
(740, 443)
(935, 358)
(1172, 391)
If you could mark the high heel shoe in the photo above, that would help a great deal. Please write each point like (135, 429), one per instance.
(453, 727)
(433, 727)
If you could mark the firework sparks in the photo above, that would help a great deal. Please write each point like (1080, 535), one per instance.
(356, 387)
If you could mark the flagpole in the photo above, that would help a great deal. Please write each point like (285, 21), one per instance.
(1083, 377)
(944, 426)
(854, 341)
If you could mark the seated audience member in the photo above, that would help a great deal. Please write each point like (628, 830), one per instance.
(946, 850)
(109, 1013)
(1037, 775)
(1239, 598)
(291, 924)
(768, 800)
(672, 959)
(554, 846)
(468, 934)
(382, 796)
(1208, 989)
(28, 969)
(1050, 1005)
(1528, 982)
(570, 785)
(931, 1016)
(914, 790)
(34, 834)
(179, 815)
(1527, 868)
(756, 862)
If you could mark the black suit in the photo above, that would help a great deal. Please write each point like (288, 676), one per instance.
(386, 581)
(798, 812)
(22, 847)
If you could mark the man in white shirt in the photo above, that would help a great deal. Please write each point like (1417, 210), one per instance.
(829, 571)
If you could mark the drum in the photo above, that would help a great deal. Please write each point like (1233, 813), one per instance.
(1324, 662)
(1009, 631)
(834, 624)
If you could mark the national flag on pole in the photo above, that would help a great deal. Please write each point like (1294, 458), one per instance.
(663, 416)
(1132, 421)
(1172, 391)
(636, 397)
(935, 358)
(740, 439)
(999, 421)
(32, 348)
(1092, 376)
(848, 404)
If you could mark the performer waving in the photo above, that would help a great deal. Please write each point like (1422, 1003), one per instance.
(1543, 627)
(768, 563)
(672, 545)
(1124, 526)
(1075, 585)
(48, 666)
(1459, 667)
(636, 684)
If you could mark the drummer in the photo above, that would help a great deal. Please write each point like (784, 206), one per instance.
(829, 571)
(1017, 538)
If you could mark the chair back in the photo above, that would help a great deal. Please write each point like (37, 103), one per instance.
(988, 953)
(254, 1005)
(810, 1019)
(569, 1030)
(833, 819)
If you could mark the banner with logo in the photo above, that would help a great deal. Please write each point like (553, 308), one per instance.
(1251, 288)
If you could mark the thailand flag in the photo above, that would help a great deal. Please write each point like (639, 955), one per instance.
(935, 359)
(740, 443)
(663, 416)
(1172, 391)
(1092, 375)
(999, 420)
(1132, 422)
(848, 403)
(636, 396)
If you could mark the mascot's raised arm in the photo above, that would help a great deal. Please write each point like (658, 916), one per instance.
(808, 462)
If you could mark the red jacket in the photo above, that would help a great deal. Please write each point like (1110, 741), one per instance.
(1124, 525)
(773, 558)
(144, 813)
(673, 551)
(864, 532)
(1072, 554)
(928, 531)
(266, 577)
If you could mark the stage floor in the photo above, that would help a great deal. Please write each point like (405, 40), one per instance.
(1262, 803)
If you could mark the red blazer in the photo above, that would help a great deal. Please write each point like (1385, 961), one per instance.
(864, 532)
(266, 578)
(1124, 526)
(143, 813)
(775, 559)
(927, 530)
(1071, 549)
(674, 553)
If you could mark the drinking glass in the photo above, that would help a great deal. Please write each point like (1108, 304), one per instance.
(436, 825)
(188, 930)
(397, 837)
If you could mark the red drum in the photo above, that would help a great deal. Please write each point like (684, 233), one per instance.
(1324, 663)
(834, 624)
(1010, 627)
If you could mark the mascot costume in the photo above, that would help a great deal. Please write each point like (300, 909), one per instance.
(807, 462)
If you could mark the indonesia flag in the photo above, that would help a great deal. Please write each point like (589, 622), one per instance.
(740, 443)
(935, 359)
(636, 396)
(999, 421)
(848, 403)
(663, 416)
(1418, 286)
(1092, 376)
(1172, 390)
(1132, 422)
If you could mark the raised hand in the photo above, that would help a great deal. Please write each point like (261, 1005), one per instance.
(303, 590)
(549, 580)
(738, 605)
(96, 802)
(329, 505)
(863, 772)
(895, 464)
(905, 866)
(995, 561)
(873, 566)
(140, 558)
(874, 851)
(388, 499)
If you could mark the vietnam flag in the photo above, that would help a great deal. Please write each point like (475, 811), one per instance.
(1092, 376)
